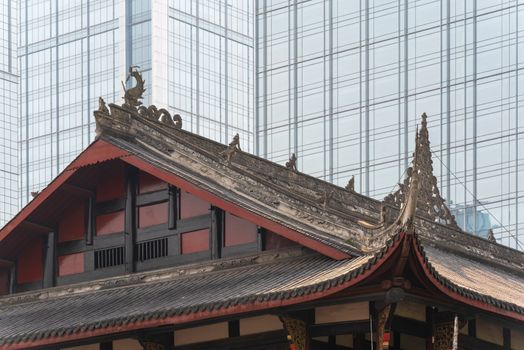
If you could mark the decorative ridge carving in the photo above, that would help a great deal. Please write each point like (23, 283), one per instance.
(429, 203)
(133, 94)
(232, 148)
(351, 184)
(291, 164)
(132, 107)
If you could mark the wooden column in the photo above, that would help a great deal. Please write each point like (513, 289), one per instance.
(90, 229)
(50, 258)
(429, 328)
(12, 279)
(217, 228)
(173, 208)
(130, 220)
(506, 334)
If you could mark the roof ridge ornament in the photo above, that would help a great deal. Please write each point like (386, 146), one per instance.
(132, 107)
(351, 184)
(133, 94)
(429, 203)
(232, 148)
(291, 164)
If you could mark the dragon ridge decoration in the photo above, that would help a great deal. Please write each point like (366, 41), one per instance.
(132, 97)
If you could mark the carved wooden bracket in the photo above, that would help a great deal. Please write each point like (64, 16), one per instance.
(443, 334)
(297, 330)
(152, 346)
(383, 316)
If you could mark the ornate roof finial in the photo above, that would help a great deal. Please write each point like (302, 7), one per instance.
(292, 163)
(133, 94)
(430, 203)
(491, 236)
(351, 184)
(233, 147)
(102, 105)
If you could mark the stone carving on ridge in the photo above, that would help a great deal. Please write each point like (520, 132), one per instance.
(132, 103)
(430, 203)
(232, 148)
(134, 94)
(291, 164)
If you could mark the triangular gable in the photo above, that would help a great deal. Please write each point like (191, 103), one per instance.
(97, 152)
(100, 151)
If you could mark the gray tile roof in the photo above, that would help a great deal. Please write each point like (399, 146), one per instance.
(168, 294)
(477, 280)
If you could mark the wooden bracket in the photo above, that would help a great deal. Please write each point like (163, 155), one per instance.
(297, 332)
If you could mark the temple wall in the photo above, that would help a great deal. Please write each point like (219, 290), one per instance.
(411, 310)
(259, 324)
(126, 344)
(201, 334)
(489, 331)
(342, 312)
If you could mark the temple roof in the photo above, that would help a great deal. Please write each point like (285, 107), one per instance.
(229, 286)
(351, 236)
(161, 297)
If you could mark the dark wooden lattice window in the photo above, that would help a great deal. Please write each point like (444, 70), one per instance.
(109, 257)
(153, 249)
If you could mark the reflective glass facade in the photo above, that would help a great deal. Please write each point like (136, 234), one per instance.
(68, 56)
(210, 67)
(195, 56)
(8, 111)
(343, 84)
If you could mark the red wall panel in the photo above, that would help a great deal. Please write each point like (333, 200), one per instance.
(70, 264)
(150, 215)
(30, 264)
(72, 223)
(191, 206)
(238, 231)
(194, 241)
(112, 184)
(110, 223)
(149, 183)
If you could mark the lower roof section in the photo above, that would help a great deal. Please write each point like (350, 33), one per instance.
(476, 280)
(172, 296)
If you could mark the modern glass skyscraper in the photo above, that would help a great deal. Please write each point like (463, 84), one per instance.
(195, 55)
(343, 84)
(8, 110)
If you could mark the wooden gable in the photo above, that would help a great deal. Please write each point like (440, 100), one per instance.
(112, 217)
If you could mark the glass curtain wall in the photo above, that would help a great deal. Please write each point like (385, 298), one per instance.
(8, 110)
(72, 51)
(210, 67)
(67, 55)
(343, 84)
